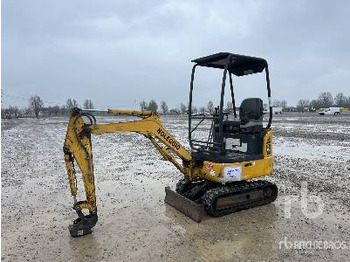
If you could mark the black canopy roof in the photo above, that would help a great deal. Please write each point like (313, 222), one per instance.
(240, 65)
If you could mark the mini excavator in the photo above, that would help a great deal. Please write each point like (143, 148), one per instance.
(221, 170)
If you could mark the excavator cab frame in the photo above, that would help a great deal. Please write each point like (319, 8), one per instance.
(231, 64)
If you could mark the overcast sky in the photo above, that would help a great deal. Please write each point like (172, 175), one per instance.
(120, 52)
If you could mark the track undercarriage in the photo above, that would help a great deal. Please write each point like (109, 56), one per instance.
(192, 198)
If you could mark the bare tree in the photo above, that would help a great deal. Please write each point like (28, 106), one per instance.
(183, 108)
(284, 104)
(347, 102)
(164, 107)
(36, 104)
(210, 106)
(27, 112)
(143, 105)
(14, 111)
(70, 104)
(174, 111)
(56, 110)
(5, 113)
(302, 104)
(48, 111)
(194, 110)
(340, 99)
(51, 110)
(88, 104)
(314, 104)
(152, 106)
(202, 110)
(279, 103)
(276, 103)
(64, 110)
(325, 99)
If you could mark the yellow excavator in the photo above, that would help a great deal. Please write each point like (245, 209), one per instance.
(221, 170)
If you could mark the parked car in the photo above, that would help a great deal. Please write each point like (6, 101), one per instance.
(330, 111)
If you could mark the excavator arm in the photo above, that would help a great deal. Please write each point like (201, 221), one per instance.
(78, 149)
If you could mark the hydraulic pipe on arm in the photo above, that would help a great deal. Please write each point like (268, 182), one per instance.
(78, 148)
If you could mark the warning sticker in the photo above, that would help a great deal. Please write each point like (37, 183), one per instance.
(233, 173)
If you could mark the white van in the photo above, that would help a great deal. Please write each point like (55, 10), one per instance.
(330, 111)
(277, 110)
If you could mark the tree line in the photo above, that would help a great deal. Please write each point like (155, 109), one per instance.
(324, 100)
(181, 109)
(37, 108)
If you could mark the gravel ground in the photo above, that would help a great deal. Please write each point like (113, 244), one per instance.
(135, 224)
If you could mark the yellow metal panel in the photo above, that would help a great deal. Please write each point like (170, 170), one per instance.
(249, 169)
(130, 112)
(268, 143)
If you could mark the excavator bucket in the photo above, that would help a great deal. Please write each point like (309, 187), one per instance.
(184, 205)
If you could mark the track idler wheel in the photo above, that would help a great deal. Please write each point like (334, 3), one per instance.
(83, 224)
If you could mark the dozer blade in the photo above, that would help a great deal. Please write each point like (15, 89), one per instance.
(184, 205)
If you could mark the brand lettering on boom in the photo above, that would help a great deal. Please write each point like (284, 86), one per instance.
(169, 139)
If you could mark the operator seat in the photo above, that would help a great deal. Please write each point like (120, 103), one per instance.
(251, 115)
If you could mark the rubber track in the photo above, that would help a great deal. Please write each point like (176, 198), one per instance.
(210, 197)
(181, 186)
